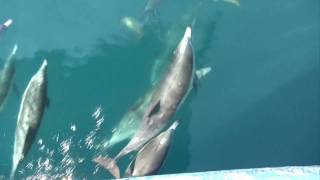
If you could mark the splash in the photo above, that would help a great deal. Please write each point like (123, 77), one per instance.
(91, 138)
(61, 163)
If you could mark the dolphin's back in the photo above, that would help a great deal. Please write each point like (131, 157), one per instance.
(32, 107)
(166, 99)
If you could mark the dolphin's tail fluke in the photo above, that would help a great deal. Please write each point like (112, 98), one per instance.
(109, 164)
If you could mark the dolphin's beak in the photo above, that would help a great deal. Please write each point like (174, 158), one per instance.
(188, 33)
(185, 40)
(8, 23)
(44, 65)
(15, 48)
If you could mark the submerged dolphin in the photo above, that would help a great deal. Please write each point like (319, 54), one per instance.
(152, 155)
(151, 7)
(32, 107)
(130, 122)
(165, 100)
(5, 25)
(137, 25)
(7, 76)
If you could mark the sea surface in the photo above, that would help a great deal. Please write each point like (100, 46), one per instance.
(258, 107)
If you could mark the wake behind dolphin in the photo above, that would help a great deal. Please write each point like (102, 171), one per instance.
(34, 101)
(168, 96)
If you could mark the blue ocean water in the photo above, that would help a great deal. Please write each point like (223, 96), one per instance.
(258, 107)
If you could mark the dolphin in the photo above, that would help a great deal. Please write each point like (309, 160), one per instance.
(152, 155)
(5, 25)
(130, 122)
(167, 98)
(34, 101)
(150, 8)
(137, 25)
(7, 76)
(171, 38)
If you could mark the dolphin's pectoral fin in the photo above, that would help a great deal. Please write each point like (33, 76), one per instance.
(155, 109)
(200, 73)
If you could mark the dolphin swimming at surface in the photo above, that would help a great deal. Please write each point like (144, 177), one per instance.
(171, 38)
(169, 95)
(7, 75)
(150, 157)
(33, 103)
(131, 120)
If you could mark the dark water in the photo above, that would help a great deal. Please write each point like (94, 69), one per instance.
(260, 105)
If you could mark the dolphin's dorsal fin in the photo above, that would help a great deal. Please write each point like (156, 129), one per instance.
(154, 109)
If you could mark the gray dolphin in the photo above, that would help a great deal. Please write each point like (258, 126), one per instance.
(5, 25)
(6, 76)
(152, 155)
(168, 96)
(34, 101)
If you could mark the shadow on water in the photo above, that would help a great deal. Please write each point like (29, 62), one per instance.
(263, 136)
